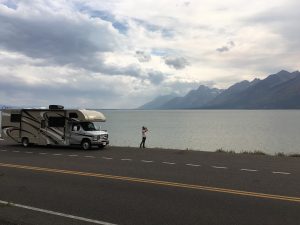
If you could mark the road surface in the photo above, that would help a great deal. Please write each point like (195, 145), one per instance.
(129, 186)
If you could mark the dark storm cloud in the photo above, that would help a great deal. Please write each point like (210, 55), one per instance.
(79, 42)
(57, 38)
(176, 62)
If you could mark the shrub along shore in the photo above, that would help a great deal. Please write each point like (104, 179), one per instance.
(258, 152)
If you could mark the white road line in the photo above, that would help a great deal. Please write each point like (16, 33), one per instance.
(3, 150)
(89, 156)
(1, 139)
(55, 213)
(43, 153)
(15, 151)
(106, 158)
(29, 152)
(73, 155)
(126, 159)
(147, 161)
(169, 163)
(56, 154)
(278, 172)
(219, 167)
(190, 164)
(249, 170)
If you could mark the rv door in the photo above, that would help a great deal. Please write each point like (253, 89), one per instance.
(75, 137)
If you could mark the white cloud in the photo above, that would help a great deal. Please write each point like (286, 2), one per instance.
(119, 53)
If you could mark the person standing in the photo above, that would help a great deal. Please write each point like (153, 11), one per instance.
(144, 130)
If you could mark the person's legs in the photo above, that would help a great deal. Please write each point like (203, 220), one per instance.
(144, 139)
(141, 144)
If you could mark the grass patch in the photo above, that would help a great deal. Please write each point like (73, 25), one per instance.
(258, 152)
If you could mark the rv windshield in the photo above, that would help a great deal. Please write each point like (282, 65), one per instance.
(88, 126)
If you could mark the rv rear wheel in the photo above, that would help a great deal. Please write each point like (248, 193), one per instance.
(85, 144)
(25, 142)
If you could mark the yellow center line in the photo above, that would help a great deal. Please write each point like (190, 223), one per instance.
(156, 182)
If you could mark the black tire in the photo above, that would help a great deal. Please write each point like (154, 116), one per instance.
(86, 145)
(25, 142)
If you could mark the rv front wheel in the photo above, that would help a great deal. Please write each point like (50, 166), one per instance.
(25, 142)
(85, 144)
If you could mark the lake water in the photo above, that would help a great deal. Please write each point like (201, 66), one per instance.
(271, 131)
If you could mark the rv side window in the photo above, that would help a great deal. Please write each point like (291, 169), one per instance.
(73, 115)
(56, 122)
(15, 118)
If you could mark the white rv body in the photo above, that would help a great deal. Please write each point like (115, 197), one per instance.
(54, 126)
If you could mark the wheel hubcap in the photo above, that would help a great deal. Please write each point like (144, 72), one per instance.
(25, 142)
(85, 145)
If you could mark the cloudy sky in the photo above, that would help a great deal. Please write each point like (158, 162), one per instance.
(123, 53)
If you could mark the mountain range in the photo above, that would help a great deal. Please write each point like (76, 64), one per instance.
(277, 91)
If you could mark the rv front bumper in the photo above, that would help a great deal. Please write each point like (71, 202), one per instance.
(100, 142)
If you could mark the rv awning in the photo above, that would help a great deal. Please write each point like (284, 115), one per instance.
(93, 116)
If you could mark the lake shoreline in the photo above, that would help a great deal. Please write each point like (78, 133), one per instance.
(150, 150)
(179, 151)
(218, 151)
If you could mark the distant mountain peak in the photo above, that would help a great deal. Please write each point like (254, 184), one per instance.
(255, 80)
(280, 91)
(193, 99)
(283, 72)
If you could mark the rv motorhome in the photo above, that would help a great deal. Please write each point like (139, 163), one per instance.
(54, 126)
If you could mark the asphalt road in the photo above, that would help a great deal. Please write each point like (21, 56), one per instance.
(40, 185)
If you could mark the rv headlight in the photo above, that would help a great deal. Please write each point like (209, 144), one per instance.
(104, 136)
